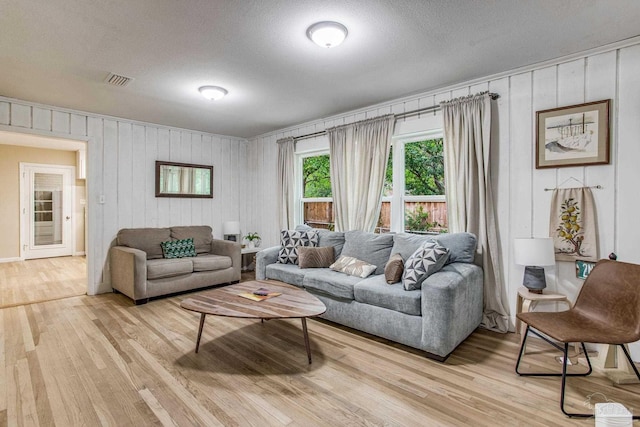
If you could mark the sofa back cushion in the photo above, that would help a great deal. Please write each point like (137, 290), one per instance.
(462, 246)
(201, 235)
(144, 239)
(369, 247)
(331, 238)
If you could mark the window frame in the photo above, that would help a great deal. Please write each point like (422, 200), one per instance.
(300, 200)
(398, 199)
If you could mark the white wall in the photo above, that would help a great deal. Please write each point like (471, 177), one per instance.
(522, 204)
(121, 167)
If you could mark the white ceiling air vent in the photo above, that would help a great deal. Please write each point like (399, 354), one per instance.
(117, 80)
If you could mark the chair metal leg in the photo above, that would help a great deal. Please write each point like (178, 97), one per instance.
(547, 374)
(633, 365)
(564, 373)
(564, 380)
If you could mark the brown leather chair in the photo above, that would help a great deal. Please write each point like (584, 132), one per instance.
(607, 311)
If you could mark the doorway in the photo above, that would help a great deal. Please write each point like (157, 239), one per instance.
(46, 210)
(25, 276)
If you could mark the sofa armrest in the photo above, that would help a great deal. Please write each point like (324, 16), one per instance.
(452, 302)
(263, 258)
(128, 268)
(232, 250)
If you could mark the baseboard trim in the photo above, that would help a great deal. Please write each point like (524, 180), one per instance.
(11, 259)
(81, 253)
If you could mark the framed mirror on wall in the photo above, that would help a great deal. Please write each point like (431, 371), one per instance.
(183, 180)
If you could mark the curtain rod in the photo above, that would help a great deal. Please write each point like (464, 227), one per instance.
(399, 115)
(598, 187)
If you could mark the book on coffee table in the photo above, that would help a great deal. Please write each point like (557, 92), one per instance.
(260, 294)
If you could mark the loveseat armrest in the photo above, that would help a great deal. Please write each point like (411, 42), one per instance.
(452, 301)
(232, 250)
(128, 267)
(263, 258)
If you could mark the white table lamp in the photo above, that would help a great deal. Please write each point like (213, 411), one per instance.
(231, 230)
(534, 253)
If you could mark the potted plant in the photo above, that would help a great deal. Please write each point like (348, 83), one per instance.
(253, 238)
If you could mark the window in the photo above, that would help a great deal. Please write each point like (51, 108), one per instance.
(424, 202)
(384, 220)
(413, 198)
(413, 193)
(316, 200)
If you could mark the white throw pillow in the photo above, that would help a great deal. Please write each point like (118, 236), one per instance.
(352, 266)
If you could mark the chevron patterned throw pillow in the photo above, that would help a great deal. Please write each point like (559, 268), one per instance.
(178, 248)
(353, 266)
(290, 240)
(426, 260)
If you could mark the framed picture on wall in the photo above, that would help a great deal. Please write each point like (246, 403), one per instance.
(577, 135)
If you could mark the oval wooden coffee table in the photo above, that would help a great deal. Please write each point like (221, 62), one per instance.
(292, 304)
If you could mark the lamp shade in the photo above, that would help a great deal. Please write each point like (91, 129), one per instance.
(535, 251)
(231, 227)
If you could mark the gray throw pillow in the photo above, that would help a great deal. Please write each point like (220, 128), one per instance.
(394, 269)
(426, 260)
(309, 257)
(290, 240)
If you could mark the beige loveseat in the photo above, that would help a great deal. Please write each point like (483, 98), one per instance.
(139, 270)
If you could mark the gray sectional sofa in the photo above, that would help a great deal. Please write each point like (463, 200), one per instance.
(435, 318)
(139, 270)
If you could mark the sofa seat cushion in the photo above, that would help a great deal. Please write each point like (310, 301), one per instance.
(168, 267)
(329, 282)
(210, 262)
(288, 273)
(376, 291)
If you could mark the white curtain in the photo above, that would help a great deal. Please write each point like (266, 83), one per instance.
(467, 148)
(358, 154)
(286, 182)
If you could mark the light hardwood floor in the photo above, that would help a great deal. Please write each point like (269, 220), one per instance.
(36, 280)
(102, 361)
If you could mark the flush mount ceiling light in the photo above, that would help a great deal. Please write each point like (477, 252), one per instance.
(213, 92)
(327, 33)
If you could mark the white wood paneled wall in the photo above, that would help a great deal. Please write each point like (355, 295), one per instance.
(121, 170)
(522, 204)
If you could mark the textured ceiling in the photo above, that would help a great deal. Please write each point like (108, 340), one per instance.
(60, 51)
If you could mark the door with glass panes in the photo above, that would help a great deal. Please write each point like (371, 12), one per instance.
(46, 210)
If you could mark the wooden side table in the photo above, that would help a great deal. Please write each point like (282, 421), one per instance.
(248, 258)
(527, 301)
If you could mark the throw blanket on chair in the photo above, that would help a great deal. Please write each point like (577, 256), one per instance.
(573, 224)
